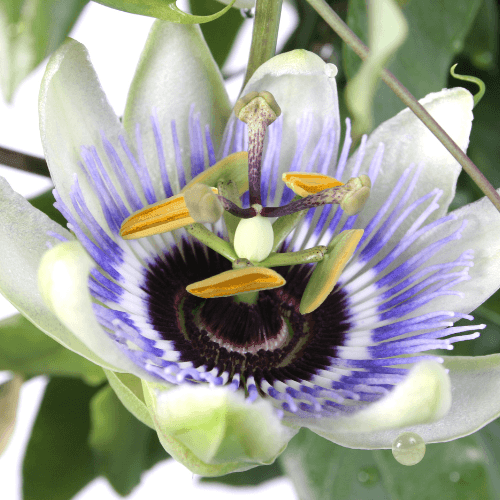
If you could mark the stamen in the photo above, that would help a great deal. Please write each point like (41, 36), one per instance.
(351, 197)
(236, 281)
(304, 183)
(307, 256)
(161, 217)
(257, 110)
(328, 271)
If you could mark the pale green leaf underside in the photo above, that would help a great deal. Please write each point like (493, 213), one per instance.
(162, 9)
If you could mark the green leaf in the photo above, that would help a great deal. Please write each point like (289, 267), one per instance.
(26, 350)
(387, 31)
(220, 33)
(459, 470)
(58, 461)
(123, 447)
(437, 31)
(162, 9)
(321, 470)
(30, 30)
(45, 203)
(481, 44)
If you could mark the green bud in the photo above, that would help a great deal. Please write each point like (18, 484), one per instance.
(213, 431)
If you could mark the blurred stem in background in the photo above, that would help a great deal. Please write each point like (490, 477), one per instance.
(264, 36)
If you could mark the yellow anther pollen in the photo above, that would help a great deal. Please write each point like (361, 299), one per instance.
(237, 281)
(161, 217)
(328, 271)
(304, 183)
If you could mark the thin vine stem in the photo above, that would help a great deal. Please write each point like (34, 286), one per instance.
(23, 161)
(264, 35)
(349, 37)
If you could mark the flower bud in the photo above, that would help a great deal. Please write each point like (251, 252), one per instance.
(219, 429)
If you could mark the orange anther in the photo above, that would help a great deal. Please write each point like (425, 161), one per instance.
(237, 281)
(161, 217)
(305, 183)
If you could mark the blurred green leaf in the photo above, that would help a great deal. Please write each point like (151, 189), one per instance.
(220, 33)
(58, 461)
(45, 203)
(387, 31)
(251, 477)
(30, 30)
(321, 470)
(437, 31)
(481, 44)
(458, 470)
(26, 350)
(484, 149)
(123, 447)
(162, 9)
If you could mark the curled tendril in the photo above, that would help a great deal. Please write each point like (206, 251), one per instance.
(473, 79)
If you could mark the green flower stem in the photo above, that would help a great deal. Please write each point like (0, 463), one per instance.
(211, 240)
(307, 256)
(25, 162)
(349, 37)
(264, 35)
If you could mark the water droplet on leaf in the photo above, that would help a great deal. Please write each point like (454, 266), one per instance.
(408, 448)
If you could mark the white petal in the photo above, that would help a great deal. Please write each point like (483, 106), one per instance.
(62, 279)
(176, 70)
(24, 240)
(481, 235)
(424, 396)
(408, 141)
(475, 385)
(305, 88)
(73, 113)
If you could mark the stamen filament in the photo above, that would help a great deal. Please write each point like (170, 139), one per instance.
(211, 240)
(314, 254)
